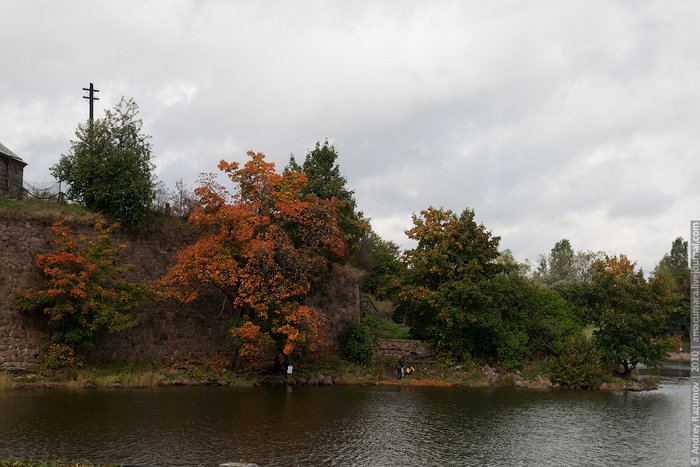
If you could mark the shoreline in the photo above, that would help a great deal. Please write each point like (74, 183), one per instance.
(622, 385)
(186, 376)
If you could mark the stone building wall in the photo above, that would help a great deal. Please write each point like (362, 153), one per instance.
(166, 329)
(11, 176)
(16, 178)
(4, 166)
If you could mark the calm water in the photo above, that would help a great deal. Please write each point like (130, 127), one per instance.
(350, 426)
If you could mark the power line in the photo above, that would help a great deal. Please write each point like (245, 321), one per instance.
(134, 44)
(126, 33)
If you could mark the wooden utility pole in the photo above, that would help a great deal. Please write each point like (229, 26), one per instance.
(91, 96)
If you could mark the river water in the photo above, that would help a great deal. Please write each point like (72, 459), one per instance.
(350, 426)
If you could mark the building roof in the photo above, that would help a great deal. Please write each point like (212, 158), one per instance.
(10, 154)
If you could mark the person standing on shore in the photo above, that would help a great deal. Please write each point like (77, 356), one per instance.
(399, 368)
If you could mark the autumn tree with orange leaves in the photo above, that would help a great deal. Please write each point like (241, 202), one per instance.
(86, 295)
(265, 247)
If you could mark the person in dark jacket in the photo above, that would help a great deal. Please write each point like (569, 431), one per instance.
(399, 368)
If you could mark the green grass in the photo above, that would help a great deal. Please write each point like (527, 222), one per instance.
(5, 381)
(381, 328)
(144, 373)
(46, 211)
(335, 366)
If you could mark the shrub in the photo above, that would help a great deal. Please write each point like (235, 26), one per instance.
(356, 343)
(62, 356)
(512, 349)
(578, 362)
(86, 294)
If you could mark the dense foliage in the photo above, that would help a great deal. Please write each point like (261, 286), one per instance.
(382, 259)
(268, 243)
(563, 269)
(578, 363)
(629, 312)
(108, 168)
(325, 181)
(86, 294)
(459, 293)
(673, 267)
(453, 259)
(265, 246)
(357, 343)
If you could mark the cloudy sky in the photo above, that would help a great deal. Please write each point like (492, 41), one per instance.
(550, 119)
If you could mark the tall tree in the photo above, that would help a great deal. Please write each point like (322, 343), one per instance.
(445, 287)
(563, 268)
(108, 168)
(629, 312)
(674, 265)
(265, 248)
(325, 181)
(463, 294)
(674, 268)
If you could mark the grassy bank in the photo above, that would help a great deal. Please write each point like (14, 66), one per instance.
(326, 372)
(47, 212)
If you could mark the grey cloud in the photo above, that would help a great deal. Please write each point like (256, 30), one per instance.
(549, 119)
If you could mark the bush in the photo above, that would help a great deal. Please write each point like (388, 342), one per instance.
(86, 294)
(512, 349)
(62, 356)
(578, 363)
(356, 343)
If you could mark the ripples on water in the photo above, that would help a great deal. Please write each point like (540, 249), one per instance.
(350, 426)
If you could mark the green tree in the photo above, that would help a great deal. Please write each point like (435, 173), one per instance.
(383, 259)
(674, 268)
(325, 181)
(108, 168)
(460, 292)
(561, 259)
(530, 318)
(674, 265)
(563, 267)
(444, 296)
(629, 312)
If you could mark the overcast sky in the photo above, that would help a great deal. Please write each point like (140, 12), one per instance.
(551, 119)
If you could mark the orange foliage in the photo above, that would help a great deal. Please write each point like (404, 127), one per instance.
(266, 246)
(86, 292)
(618, 268)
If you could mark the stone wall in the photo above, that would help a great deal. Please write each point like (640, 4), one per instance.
(409, 350)
(166, 329)
(339, 300)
